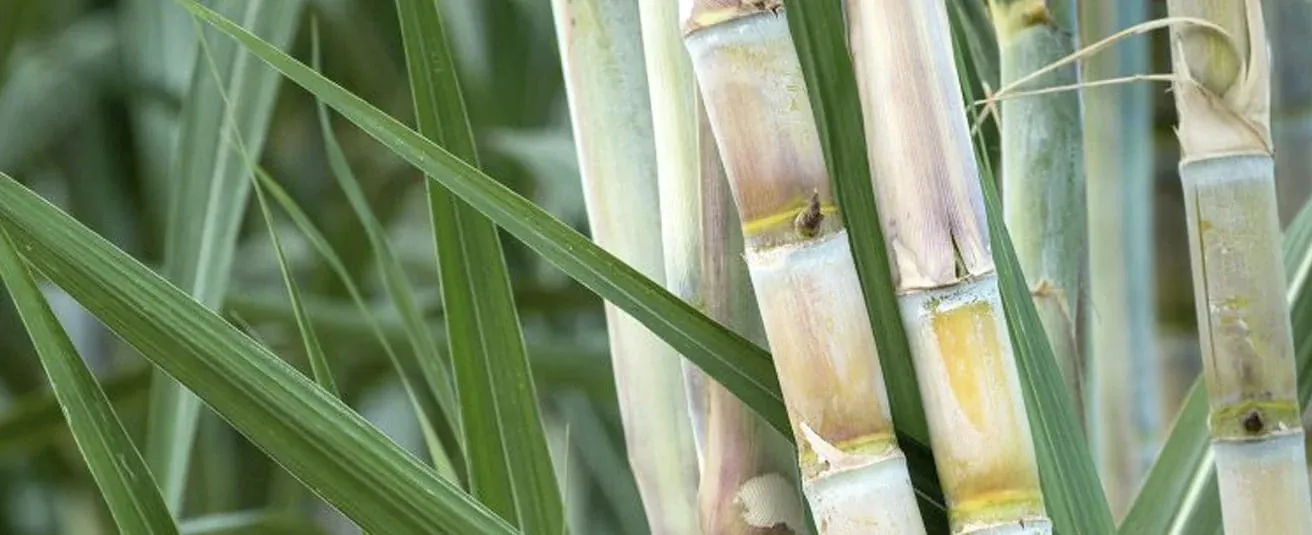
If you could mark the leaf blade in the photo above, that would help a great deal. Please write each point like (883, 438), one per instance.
(207, 206)
(742, 367)
(314, 436)
(116, 465)
(487, 346)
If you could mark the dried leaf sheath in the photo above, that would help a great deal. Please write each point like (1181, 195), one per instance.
(1223, 99)
(605, 79)
(801, 267)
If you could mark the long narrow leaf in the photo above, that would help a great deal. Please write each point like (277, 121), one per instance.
(115, 464)
(35, 419)
(323, 374)
(411, 382)
(509, 464)
(739, 365)
(208, 202)
(434, 368)
(1072, 492)
(313, 350)
(318, 439)
(249, 523)
(818, 31)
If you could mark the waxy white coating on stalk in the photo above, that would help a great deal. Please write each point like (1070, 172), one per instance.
(675, 132)
(605, 81)
(804, 275)
(1239, 280)
(820, 333)
(1043, 177)
(841, 503)
(927, 185)
(1273, 471)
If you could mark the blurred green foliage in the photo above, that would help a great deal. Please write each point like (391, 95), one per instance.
(90, 94)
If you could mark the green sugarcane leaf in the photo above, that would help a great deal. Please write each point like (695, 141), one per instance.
(510, 467)
(1072, 492)
(441, 427)
(436, 375)
(819, 34)
(209, 193)
(34, 420)
(742, 367)
(117, 467)
(315, 437)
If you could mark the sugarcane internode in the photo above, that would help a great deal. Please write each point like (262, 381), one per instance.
(932, 215)
(1222, 96)
(803, 273)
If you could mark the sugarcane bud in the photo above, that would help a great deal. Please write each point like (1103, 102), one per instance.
(808, 220)
(1012, 16)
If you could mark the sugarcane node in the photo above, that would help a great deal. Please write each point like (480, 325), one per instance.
(1253, 422)
(773, 6)
(808, 220)
(1036, 14)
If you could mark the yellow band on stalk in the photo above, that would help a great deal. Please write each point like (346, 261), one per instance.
(872, 447)
(994, 508)
(1254, 419)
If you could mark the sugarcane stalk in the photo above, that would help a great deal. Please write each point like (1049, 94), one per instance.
(747, 484)
(1122, 411)
(854, 475)
(1043, 176)
(1222, 95)
(606, 85)
(927, 185)
(1290, 24)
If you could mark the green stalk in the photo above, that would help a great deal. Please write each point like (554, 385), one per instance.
(854, 474)
(1043, 176)
(605, 80)
(927, 181)
(747, 485)
(1122, 416)
(1222, 94)
(1290, 24)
